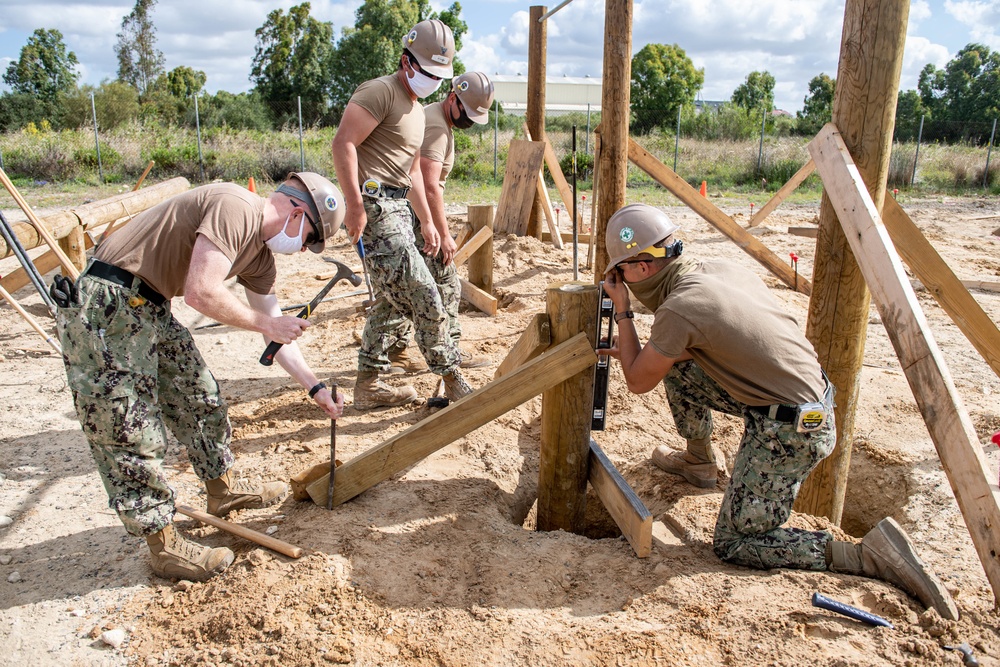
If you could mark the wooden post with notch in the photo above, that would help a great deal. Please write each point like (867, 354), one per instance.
(567, 410)
(864, 108)
(535, 111)
(481, 261)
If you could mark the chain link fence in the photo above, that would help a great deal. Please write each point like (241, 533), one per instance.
(726, 147)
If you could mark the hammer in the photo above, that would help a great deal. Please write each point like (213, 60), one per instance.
(343, 273)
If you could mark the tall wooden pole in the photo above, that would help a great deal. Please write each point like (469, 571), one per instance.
(864, 109)
(615, 87)
(535, 113)
(481, 261)
(567, 411)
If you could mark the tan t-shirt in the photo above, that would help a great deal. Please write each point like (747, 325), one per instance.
(439, 142)
(734, 328)
(157, 244)
(386, 154)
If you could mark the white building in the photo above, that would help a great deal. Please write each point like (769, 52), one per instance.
(563, 94)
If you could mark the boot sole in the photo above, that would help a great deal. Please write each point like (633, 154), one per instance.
(897, 540)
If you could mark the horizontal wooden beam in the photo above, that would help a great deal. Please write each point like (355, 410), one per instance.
(622, 503)
(666, 177)
(567, 237)
(808, 232)
(455, 421)
(534, 340)
(472, 245)
(942, 408)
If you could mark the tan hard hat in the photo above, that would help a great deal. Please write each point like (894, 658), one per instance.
(634, 229)
(475, 90)
(326, 205)
(433, 45)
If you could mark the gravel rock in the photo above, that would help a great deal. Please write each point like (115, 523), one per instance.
(14, 577)
(113, 638)
(5, 559)
(5, 521)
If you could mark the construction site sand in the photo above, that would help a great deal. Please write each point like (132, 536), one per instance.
(439, 565)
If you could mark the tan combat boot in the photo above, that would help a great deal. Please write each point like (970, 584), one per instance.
(370, 392)
(406, 360)
(887, 553)
(229, 492)
(173, 557)
(455, 386)
(697, 465)
(472, 360)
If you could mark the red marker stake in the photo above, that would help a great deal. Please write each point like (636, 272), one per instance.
(795, 265)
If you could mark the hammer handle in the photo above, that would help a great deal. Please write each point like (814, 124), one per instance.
(263, 540)
(267, 358)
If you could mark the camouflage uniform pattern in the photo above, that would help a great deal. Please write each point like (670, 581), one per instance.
(133, 371)
(772, 461)
(449, 287)
(408, 290)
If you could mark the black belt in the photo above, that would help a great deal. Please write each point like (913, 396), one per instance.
(119, 276)
(387, 192)
(781, 413)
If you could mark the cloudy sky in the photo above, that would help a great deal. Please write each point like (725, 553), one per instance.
(792, 39)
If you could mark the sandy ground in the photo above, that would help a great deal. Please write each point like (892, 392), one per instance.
(438, 565)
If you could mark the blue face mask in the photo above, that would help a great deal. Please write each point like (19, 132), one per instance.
(282, 243)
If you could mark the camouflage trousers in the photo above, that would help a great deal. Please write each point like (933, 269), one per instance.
(406, 290)
(449, 287)
(134, 371)
(772, 461)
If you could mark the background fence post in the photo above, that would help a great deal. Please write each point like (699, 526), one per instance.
(302, 150)
(197, 128)
(586, 140)
(989, 150)
(920, 134)
(677, 138)
(97, 142)
(760, 148)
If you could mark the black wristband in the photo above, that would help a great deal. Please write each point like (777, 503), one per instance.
(627, 315)
(315, 389)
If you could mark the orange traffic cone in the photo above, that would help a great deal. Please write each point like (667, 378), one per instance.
(704, 189)
(252, 187)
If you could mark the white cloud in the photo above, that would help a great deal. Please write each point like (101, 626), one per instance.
(981, 18)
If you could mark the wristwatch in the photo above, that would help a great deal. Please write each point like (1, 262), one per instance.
(316, 388)
(627, 315)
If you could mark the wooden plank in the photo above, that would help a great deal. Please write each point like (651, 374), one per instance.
(808, 232)
(463, 235)
(272, 543)
(562, 186)
(534, 340)
(478, 298)
(942, 283)
(550, 217)
(984, 285)
(944, 414)
(567, 237)
(622, 503)
(472, 245)
(795, 181)
(71, 270)
(456, 421)
(517, 196)
(46, 262)
(666, 177)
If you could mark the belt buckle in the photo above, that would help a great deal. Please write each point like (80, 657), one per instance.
(372, 188)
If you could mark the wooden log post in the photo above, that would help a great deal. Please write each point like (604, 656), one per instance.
(535, 111)
(74, 246)
(567, 410)
(481, 261)
(864, 108)
(613, 164)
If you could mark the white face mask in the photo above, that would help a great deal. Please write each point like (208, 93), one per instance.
(422, 85)
(282, 243)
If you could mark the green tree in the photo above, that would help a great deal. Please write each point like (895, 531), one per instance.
(909, 110)
(372, 47)
(663, 79)
(817, 109)
(294, 57)
(114, 101)
(756, 93)
(967, 89)
(183, 82)
(45, 68)
(140, 63)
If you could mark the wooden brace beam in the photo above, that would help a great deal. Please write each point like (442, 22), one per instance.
(478, 298)
(472, 245)
(930, 381)
(535, 339)
(666, 177)
(795, 181)
(456, 421)
(622, 503)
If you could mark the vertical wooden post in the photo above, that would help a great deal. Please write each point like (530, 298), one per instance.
(567, 409)
(864, 109)
(73, 245)
(481, 261)
(535, 112)
(615, 87)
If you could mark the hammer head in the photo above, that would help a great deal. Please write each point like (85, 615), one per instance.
(344, 272)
